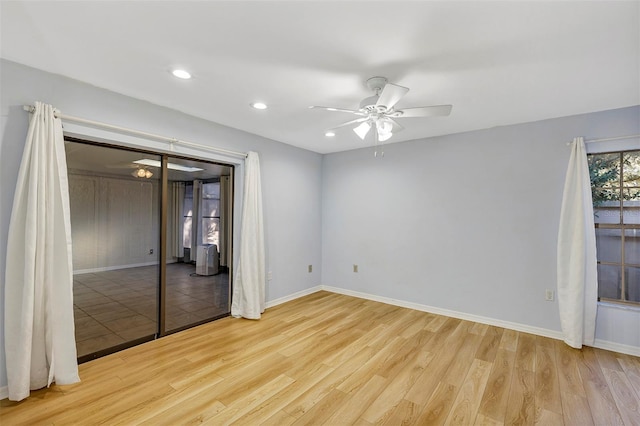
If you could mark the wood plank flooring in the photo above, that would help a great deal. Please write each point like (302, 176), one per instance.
(338, 360)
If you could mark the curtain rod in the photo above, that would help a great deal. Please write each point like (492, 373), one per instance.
(609, 139)
(612, 139)
(58, 114)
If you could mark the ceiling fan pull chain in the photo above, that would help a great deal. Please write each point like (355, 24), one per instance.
(375, 142)
(376, 145)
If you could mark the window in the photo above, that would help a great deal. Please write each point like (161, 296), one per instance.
(615, 188)
(188, 215)
(210, 206)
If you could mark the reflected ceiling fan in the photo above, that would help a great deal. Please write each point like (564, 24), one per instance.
(379, 111)
(137, 170)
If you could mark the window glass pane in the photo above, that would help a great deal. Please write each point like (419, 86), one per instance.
(632, 246)
(631, 184)
(210, 208)
(605, 196)
(609, 245)
(607, 214)
(211, 190)
(604, 170)
(609, 281)
(210, 231)
(632, 215)
(187, 208)
(631, 169)
(632, 278)
(631, 196)
(186, 232)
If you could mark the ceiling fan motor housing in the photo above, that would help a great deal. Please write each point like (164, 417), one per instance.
(376, 84)
(369, 104)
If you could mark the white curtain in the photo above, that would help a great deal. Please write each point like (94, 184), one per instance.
(39, 329)
(577, 267)
(225, 220)
(249, 280)
(177, 219)
(196, 218)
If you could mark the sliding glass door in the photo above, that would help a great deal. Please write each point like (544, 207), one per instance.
(197, 272)
(151, 250)
(115, 234)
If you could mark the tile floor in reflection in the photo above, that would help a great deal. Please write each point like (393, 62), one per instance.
(114, 307)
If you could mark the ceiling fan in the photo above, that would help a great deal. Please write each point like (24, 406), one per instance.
(137, 170)
(380, 111)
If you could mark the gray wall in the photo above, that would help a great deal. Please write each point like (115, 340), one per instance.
(114, 222)
(291, 177)
(466, 223)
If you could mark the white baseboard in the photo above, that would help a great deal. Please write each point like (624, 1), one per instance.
(292, 296)
(117, 267)
(617, 347)
(538, 331)
(4, 392)
(449, 313)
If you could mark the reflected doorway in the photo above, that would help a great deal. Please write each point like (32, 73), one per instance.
(151, 250)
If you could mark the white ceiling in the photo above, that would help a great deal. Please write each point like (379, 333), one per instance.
(498, 63)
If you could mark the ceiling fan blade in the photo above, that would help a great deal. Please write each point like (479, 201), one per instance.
(348, 123)
(396, 126)
(391, 94)
(428, 111)
(336, 109)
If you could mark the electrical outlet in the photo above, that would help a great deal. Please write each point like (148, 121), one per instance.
(355, 268)
(310, 268)
(269, 276)
(548, 295)
(150, 251)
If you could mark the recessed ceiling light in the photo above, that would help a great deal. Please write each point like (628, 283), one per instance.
(330, 134)
(181, 74)
(259, 105)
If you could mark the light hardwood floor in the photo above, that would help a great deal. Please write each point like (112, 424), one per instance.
(333, 359)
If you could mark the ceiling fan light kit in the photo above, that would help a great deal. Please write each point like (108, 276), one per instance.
(379, 111)
(142, 173)
(362, 129)
(385, 129)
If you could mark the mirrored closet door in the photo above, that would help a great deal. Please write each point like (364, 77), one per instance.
(198, 242)
(125, 293)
